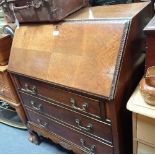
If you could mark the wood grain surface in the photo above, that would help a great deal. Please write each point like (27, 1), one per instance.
(79, 57)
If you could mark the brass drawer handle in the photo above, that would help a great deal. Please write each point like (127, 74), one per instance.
(41, 124)
(84, 106)
(88, 150)
(88, 128)
(32, 90)
(35, 106)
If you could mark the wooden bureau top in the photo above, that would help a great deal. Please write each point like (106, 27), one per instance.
(82, 55)
(120, 11)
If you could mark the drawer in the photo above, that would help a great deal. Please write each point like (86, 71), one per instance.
(97, 128)
(5, 92)
(50, 92)
(86, 143)
(145, 149)
(146, 129)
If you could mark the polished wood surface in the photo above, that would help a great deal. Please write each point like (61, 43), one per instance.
(70, 135)
(120, 11)
(67, 66)
(55, 62)
(43, 99)
(84, 123)
(69, 99)
(5, 47)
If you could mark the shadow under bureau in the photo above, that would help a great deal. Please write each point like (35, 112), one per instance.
(74, 78)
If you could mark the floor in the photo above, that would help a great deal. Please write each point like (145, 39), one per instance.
(14, 141)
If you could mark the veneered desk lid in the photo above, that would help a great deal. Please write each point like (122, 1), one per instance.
(82, 55)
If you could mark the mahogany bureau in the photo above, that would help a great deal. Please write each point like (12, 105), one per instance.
(74, 78)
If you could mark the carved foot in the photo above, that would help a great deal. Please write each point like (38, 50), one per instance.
(34, 138)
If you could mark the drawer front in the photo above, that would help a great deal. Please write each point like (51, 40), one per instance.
(72, 100)
(87, 144)
(146, 129)
(83, 123)
(145, 149)
(5, 92)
